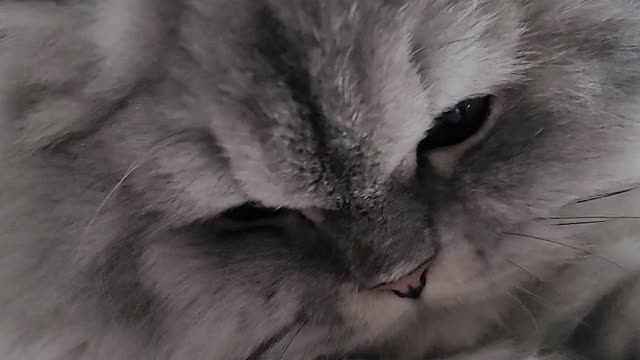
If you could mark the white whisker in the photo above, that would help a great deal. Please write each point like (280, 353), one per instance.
(134, 166)
(529, 314)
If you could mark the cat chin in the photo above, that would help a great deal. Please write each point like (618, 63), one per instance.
(418, 327)
(457, 327)
(377, 316)
(460, 317)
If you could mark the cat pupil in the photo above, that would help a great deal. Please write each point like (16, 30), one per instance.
(454, 116)
(457, 124)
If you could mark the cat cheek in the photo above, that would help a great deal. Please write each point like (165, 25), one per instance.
(455, 274)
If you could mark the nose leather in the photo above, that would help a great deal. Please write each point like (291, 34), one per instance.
(410, 285)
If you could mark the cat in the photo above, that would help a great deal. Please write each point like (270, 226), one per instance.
(271, 179)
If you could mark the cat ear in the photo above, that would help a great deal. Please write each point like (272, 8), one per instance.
(63, 68)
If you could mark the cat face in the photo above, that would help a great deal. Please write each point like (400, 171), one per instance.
(326, 109)
(335, 125)
(336, 109)
(409, 134)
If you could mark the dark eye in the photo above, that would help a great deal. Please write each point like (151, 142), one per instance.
(457, 124)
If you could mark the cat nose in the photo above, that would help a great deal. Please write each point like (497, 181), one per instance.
(410, 285)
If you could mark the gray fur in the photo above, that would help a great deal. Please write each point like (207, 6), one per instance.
(127, 124)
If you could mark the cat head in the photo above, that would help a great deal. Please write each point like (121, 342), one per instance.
(412, 135)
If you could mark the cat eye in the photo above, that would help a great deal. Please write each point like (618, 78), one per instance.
(247, 215)
(457, 124)
(249, 212)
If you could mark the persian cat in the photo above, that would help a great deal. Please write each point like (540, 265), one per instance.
(315, 179)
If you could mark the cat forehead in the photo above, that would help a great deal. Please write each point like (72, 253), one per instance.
(379, 73)
(340, 92)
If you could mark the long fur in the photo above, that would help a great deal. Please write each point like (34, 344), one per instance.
(131, 129)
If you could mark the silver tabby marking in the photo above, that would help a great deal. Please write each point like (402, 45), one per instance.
(127, 127)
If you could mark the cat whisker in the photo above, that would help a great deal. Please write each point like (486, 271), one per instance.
(596, 217)
(575, 259)
(550, 305)
(590, 222)
(519, 267)
(531, 274)
(587, 246)
(540, 299)
(130, 170)
(576, 248)
(604, 196)
(133, 167)
(529, 313)
(293, 338)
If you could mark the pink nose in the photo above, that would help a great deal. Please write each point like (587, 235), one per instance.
(410, 285)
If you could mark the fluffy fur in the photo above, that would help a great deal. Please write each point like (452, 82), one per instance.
(130, 128)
